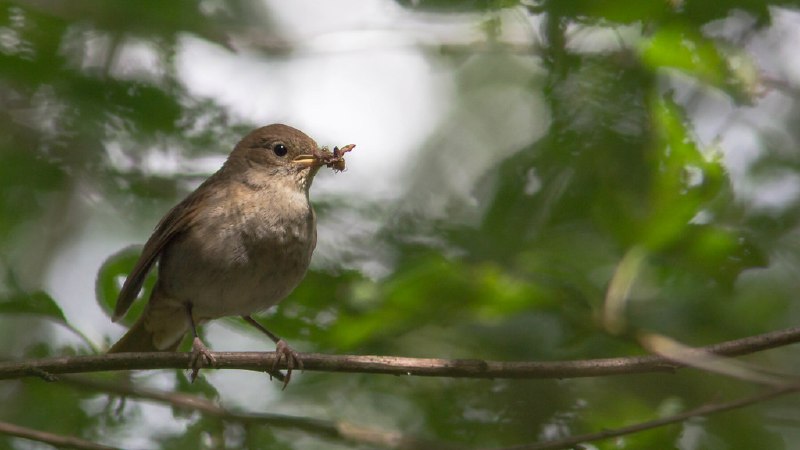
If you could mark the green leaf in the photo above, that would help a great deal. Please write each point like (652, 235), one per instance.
(685, 49)
(685, 180)
(37, 303)
(109, 282)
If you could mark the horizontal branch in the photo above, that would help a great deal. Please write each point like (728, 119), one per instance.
(343, 431)
(394, 365)
(57, 440)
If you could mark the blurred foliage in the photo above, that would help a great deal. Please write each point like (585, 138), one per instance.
(517, 271)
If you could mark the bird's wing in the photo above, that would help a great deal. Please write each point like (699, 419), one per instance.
(177, 220)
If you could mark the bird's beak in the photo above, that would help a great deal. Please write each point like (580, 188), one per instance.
(307, 161)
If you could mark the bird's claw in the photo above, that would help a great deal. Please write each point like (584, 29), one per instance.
(285, 353)
(200, 357)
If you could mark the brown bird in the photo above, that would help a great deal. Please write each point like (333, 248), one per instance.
(238, 244)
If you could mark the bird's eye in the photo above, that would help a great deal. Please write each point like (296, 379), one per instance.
(280, 149)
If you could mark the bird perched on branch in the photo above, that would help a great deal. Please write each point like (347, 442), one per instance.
(238, 244)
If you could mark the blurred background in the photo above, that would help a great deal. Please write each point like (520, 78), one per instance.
(510, 156)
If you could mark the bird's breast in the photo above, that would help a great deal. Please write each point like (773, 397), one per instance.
(241, 257)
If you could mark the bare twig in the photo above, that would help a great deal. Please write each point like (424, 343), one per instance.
(705, 410)
(458, 368)
(323, 428)
(57, 440)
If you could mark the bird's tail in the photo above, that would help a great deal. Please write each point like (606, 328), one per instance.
(137, 339)
(140, 339)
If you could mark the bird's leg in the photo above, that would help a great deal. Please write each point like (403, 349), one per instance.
(201, 356)
(282, 351)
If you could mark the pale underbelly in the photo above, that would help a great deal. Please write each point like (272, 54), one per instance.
(243, 284)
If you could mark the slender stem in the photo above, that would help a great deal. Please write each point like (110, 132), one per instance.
(56, 440)
(81, 335)
(335, 429)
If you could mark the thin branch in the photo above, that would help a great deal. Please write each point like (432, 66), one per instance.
(456, 368)
(56, 440)
(705, 410)
(340, 430)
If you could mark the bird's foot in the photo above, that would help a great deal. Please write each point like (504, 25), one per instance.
(292, 358)
(200, 357)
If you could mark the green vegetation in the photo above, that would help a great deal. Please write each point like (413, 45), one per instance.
(647, 146)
